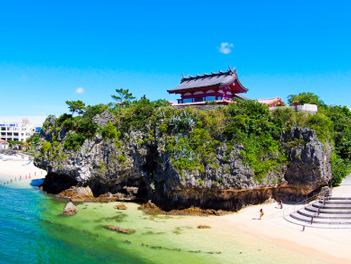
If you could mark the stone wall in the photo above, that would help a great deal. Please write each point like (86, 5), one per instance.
(307, 108)
(201, 107)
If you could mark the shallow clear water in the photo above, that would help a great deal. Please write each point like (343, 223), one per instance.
(33, 231)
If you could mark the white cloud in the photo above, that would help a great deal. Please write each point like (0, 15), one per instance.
(226, 47)
(80, 90)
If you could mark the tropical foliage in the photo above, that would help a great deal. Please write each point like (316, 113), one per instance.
(192, 137)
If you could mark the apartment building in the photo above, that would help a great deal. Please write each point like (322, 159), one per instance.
(16, 131)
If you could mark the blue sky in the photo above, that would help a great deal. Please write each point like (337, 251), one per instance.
(50, 49)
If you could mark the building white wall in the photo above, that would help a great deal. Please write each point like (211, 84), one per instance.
(16, 131)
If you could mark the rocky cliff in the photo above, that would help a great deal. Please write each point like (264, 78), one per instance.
(134, 160)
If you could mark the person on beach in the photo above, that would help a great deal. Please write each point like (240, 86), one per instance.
(280, 204)
(261, 213)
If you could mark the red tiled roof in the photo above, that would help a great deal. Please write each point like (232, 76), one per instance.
(271, 101)
(4, 142)
(208, 80)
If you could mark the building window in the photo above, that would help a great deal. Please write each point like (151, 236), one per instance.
(189, 100)
(219, 98)
(198, 99)
(211, 98)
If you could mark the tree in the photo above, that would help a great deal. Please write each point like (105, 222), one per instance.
(123, 96)
(33, 140)
(76, 106)
(305, 98)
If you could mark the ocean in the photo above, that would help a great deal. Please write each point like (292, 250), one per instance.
(34, 231)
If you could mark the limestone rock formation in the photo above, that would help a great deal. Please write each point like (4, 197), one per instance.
(77, 194)
(131, 170)
(310, 165)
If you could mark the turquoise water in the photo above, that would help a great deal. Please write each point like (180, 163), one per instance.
(33, 231)
(28, 235)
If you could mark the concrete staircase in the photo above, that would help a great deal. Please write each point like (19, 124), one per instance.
(329, 212)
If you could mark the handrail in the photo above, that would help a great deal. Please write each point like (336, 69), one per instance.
(287, 211)
(325, 194)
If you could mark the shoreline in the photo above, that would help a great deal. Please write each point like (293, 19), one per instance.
(20, 168)
(329, 245)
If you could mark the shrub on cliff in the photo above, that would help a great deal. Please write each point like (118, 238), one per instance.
(110, 131)
(73, 140)
(252, 124)
(137, 114)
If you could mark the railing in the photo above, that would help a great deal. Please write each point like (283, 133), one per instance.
(293, 208)
(326, 194)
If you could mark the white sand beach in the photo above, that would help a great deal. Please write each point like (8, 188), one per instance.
(19, 168)
(328, 245)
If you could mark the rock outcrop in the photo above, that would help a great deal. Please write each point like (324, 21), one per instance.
(130, 170)
(69, 209)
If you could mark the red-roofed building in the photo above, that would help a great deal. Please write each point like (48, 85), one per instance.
(276, 101)
(216, 87)
(4, 144)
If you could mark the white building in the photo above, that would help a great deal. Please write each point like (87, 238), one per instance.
(16, 131)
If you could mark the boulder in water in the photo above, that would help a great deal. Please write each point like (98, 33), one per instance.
(203, 227)
(121, 207)
(70, 209)
(119, 230)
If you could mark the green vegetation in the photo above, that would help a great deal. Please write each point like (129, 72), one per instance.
(110, 131)
(76, 106)
(305, 98)
(123, 97)
(192, 138)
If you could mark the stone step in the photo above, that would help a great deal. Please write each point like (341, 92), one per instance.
(345, 202)
(314, 209)
(308, 224)
(321, 215)
(306, 219)
(339, 198)
(332, 206)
